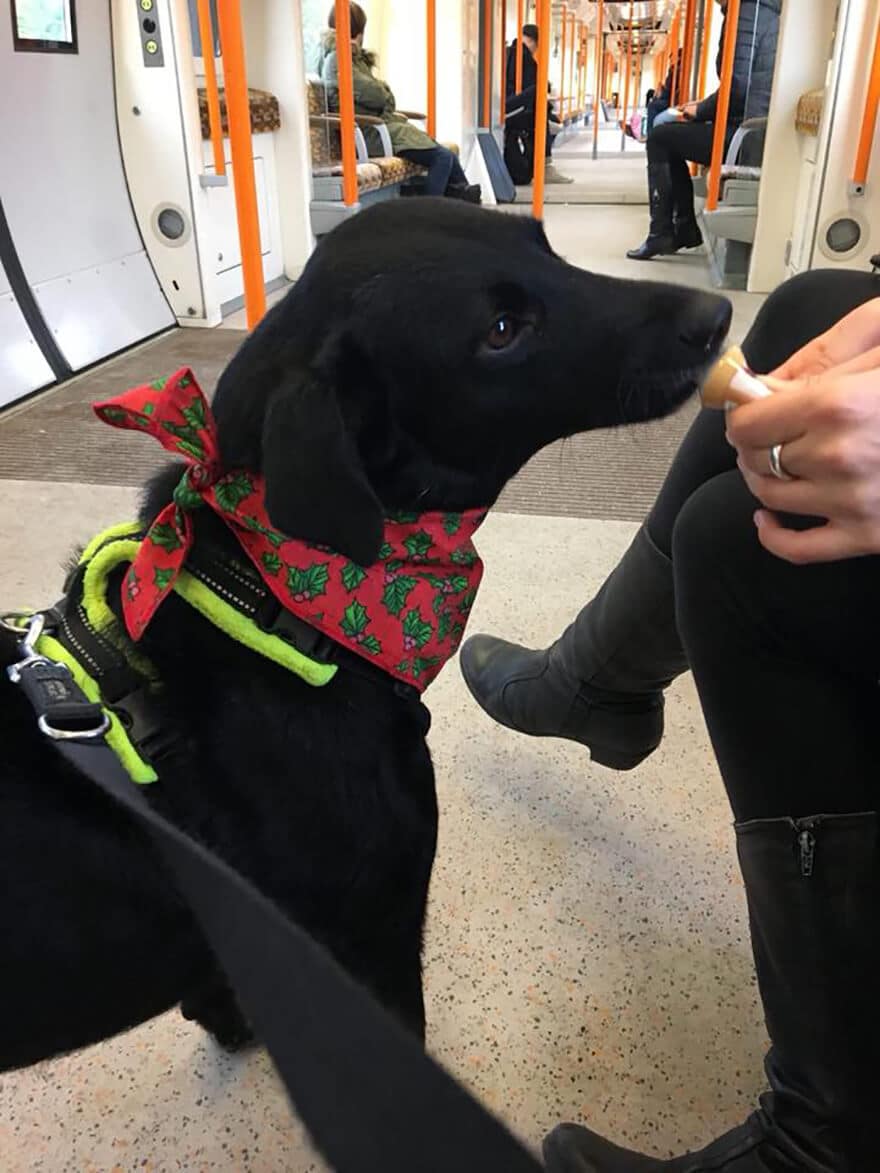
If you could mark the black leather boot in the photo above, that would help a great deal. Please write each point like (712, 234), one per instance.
(661, 235)
(601, 683)
(687, 234)
(813, 887)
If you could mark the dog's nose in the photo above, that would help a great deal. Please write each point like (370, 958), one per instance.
(705, 324)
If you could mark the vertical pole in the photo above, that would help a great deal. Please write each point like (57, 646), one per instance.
(674, 42)
(723, 107)
(346, 102)
(520, 20)
(869, 122)
(601, 63)
(562, 64)
(704, 48)
(431, 30)
(503, 40)
(544, 33)
(486, 112)
(238, 113)
(215, 122)
(629, 57)
(572, 90)
(687, 61)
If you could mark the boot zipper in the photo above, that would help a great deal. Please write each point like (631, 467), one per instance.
(806, 844)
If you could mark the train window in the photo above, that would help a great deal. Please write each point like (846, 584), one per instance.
(44, 26)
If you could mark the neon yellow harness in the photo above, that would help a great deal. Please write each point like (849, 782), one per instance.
(101, 557)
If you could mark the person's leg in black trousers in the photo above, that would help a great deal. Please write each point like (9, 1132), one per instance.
(601, 683)
(670, 190)
(786, 660)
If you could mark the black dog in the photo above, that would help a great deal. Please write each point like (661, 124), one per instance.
(427, 352)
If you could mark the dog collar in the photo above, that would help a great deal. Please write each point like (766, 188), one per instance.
(405, 614)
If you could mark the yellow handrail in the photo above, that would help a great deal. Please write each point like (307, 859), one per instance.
(543, 23)
(238, 113)
(723, 107)
(215, 121)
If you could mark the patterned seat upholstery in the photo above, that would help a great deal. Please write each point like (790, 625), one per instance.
(265, 112)
(809, 112)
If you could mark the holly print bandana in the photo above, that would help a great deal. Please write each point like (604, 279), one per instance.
(406, 613)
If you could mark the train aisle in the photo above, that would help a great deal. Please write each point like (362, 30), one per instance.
(564, 893)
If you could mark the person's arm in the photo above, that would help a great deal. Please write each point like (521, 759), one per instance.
(825, 412)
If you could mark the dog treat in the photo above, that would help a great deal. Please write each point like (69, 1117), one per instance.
(730, 382)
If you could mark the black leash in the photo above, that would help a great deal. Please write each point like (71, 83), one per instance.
(371, 1099)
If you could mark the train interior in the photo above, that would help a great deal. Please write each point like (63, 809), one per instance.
(564, 893)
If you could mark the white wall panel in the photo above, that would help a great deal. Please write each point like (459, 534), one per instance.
(22, 366)
(99, 310)
(64, 190)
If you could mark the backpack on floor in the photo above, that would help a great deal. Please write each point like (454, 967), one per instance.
(519, 156)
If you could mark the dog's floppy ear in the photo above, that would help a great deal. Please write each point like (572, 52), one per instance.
(316, 487)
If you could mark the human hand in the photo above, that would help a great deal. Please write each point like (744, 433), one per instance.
(687, 113)
(827, 424)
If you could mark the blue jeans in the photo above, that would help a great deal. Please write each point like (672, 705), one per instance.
(655, 108)
(443, 168)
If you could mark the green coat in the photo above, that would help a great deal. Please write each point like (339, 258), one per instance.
(371, 96)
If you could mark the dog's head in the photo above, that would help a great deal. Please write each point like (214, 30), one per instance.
(428, 350)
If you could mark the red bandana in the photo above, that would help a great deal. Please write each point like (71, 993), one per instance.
(406, 613)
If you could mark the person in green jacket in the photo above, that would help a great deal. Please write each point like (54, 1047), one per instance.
(374, 96)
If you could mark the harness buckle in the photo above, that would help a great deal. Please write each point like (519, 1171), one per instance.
(27, 646)
(274, 619)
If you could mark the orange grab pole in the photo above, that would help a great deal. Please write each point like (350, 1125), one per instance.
(431, 29)
(572, 89)
(690, 31)
(503, 40)
(869, 121)
(601, 63)
(346, 103)
(629, 57)
(704, 49)
(723, 107)
(520, 18)
(241, 148)
(562, 62)
(543, 23)
(674, 37)
(486, 113)
(206, 36)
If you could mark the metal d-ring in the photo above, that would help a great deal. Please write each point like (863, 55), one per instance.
(73, 734)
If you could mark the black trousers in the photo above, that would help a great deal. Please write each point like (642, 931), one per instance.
(680, 143)
(786, 658)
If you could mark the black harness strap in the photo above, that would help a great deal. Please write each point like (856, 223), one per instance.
(371, 1099)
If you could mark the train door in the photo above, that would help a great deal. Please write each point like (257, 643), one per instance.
(77, 283)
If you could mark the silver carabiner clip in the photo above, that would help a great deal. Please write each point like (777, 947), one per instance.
(28, 645)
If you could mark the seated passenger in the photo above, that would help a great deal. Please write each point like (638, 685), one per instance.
(519, 122)
(374, 96)
(673, 145)
(759, 569)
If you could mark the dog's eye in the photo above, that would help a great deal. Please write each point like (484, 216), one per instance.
(504, 330)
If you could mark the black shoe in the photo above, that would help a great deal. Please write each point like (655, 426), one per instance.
(687, 234)
(471, 193)
(601, 683)
(813, 887)
(654, 246)
(527, 691)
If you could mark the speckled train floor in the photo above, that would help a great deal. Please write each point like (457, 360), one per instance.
(587, 952)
